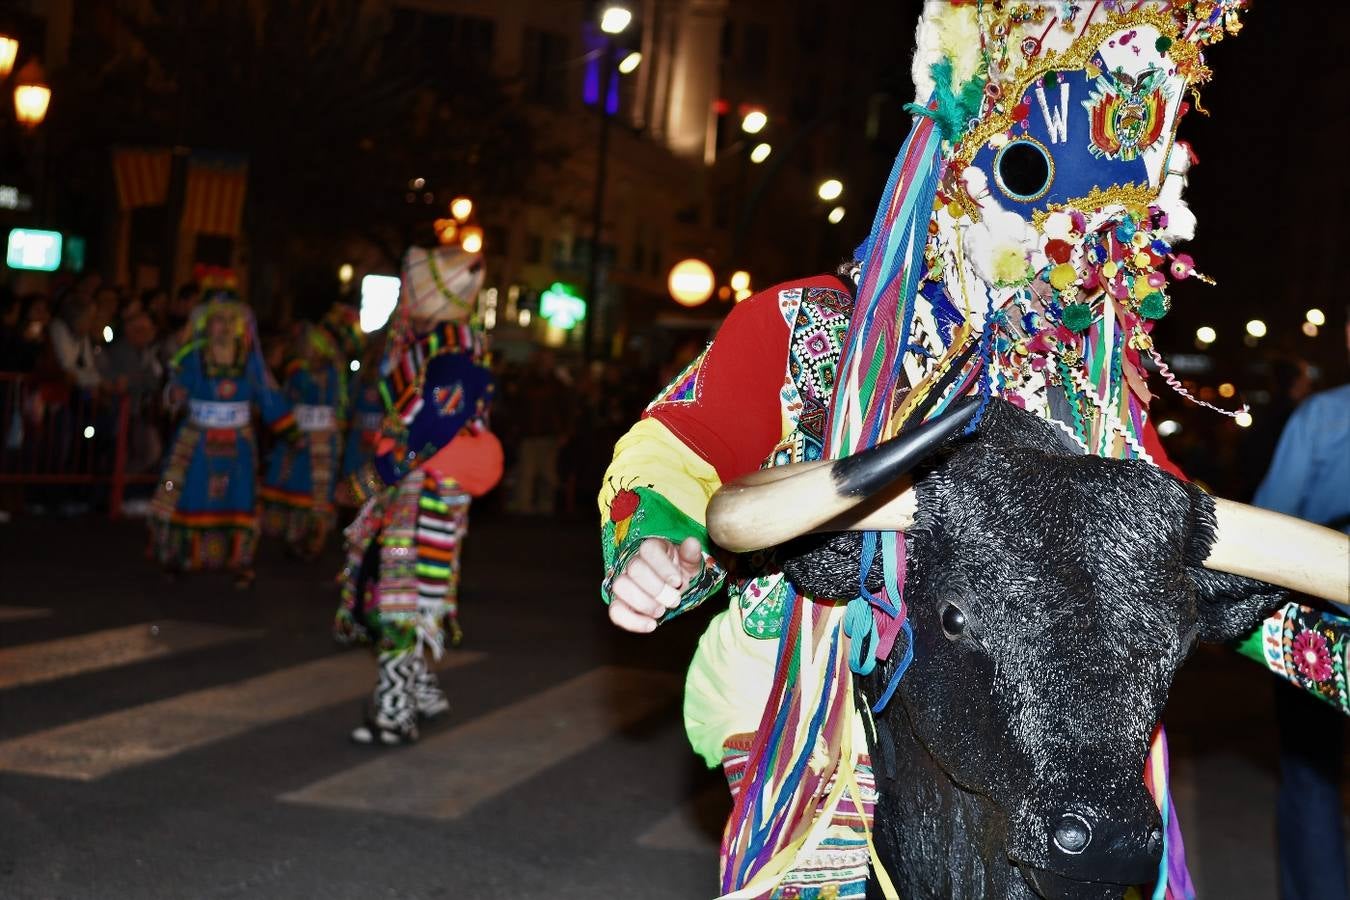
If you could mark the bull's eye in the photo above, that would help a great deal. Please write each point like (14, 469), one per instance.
(1024, 169)
(954, 621)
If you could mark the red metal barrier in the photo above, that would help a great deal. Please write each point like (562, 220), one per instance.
(52, 433)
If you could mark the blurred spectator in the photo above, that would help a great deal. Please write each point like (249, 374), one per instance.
(541, 414)
(155, 302)
(176, 329)
(106, 305)
(1290, 383)
(1310, 478)
(131, 364)
(37, 315)
(71, 334)
(11, 330)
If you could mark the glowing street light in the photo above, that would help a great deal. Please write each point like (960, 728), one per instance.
(760, 153)
(1310, 329)
(471, 238)
(1206, 335)
(830, 189)
(1227, 389)
(628, 65)
(9, 49)
(740, 280)
(615, 19)
(1256, 328)
(837, 215)
(31, 95)
(691, 282)
(345, 274)
(461, 208)
(1316, 317)
(1243, 420)
(1168, 427)
(754, 121)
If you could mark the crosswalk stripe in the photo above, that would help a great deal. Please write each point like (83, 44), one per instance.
(694, 825)
(61, 658)
(92, 748)
(22, 613)
(446, 776)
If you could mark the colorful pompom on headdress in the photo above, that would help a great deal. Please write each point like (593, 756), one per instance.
(342, 326)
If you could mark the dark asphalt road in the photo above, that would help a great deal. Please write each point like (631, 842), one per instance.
(209, 759)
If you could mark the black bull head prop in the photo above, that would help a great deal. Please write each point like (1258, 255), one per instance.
(1053, 597)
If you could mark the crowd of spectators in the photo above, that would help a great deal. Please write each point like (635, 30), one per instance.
(71, 364)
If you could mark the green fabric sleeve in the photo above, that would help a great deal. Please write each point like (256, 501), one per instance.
(637, 514)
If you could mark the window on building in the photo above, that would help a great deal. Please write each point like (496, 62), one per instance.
(545, 64)
(754, 53)
(534, 249)
(440, 43)
(214, 250)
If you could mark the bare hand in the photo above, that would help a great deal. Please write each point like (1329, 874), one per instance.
(651, 586)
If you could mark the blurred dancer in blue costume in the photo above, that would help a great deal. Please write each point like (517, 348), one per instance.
(434, 453)
(297, 495)
(205, 512)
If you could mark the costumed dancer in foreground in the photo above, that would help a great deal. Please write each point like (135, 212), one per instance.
(400, 587)
(1023, 249)
(297, 493)
(205, 514)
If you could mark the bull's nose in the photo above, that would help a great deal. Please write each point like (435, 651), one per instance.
(1072, 834)
(1090, 848)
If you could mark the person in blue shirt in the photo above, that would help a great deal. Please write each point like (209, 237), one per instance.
(1309, 477)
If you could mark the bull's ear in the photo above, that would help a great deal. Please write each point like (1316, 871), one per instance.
(1227, 606)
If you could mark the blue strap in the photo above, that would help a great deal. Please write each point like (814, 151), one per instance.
(899, 669)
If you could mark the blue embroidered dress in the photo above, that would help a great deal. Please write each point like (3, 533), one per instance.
(205, 512)
(297, 494)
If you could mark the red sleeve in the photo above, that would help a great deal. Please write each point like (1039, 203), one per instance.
(729, 412)
(1153, 444)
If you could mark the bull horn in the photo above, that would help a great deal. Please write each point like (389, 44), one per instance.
(1281, 550)
(1248, 541)
(775, 505)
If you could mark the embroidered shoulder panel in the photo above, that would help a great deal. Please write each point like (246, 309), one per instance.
(819, 319)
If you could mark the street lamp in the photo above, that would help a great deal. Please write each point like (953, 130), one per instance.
(830, 189)
(837, 215)
(1206, 335)
(1316, 317)
(1256, 328)
(691, 282)
(760, 153)
(31, 95)
(461, 208)
(754, 121)
(9, 49)
(740, 281)
(615, 19)
(630, 63)
(345, 274)
(471, 238)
